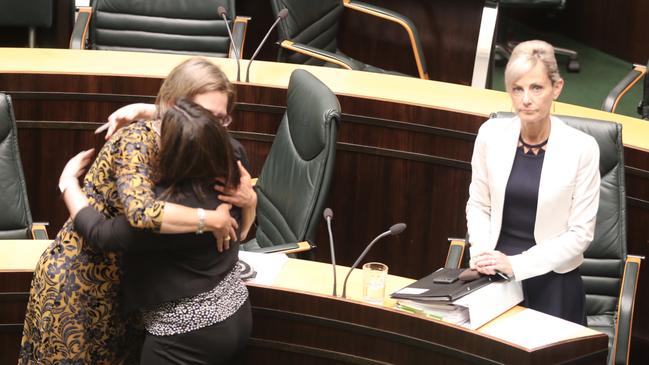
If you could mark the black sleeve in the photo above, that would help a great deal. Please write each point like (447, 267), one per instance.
(116, 234)
(240, 153)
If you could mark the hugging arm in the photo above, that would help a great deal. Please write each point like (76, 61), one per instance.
(135, 190)
(116, 234)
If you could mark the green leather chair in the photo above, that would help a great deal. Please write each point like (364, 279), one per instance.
(308, 35)
(15, 216)
(637, 73)
(296, 176)
(163, 26)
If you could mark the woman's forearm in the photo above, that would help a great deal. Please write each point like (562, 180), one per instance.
(181, 219)
(247, 219)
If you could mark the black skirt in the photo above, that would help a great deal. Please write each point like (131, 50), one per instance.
(560, 295)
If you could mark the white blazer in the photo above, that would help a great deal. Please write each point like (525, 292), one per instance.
(567, 203)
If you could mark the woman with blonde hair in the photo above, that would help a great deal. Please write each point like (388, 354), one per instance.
(73, 313)
(534, 190)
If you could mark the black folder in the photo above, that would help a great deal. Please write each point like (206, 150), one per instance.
(426, 289)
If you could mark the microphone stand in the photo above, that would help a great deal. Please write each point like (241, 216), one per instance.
(393, 231)
(281, 15)
(222, 12)
(328, 214)
(386, 233)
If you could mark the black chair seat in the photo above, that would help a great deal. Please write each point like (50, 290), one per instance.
(164, 26)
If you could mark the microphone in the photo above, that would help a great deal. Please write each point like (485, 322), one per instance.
(281, 15)
(222, 14)
(328, 215)
(393, 231)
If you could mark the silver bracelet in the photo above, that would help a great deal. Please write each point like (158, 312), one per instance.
(201, 221)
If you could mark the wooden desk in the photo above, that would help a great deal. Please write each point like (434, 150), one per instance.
(403, 151)
(296, 321)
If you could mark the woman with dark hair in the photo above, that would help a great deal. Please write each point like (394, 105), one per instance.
(195, 306)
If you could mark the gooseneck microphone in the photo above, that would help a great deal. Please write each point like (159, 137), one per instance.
(393, 231)
(328, 215)
(281, 15)
(223, 14)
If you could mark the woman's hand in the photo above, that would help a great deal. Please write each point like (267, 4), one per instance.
(491, 262)
(244, 196)
(222, 225)
(74, 198)
(125, 116)
(75, 167)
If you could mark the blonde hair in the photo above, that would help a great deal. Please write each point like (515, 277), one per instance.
(525, 56)
(193, 77)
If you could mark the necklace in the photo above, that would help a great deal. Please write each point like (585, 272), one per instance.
(530, 146)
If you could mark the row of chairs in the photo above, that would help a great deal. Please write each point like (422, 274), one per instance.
(307, 35)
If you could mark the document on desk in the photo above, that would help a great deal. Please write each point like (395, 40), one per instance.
(267, 265)
(472, 310)
(548, 329)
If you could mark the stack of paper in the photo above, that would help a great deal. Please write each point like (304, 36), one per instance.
(444, 312)
(470, 304)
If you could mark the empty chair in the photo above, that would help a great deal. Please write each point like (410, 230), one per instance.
(15, 216)
(296, 176)
(308, 35)
(171, 26)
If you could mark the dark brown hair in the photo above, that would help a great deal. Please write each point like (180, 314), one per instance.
(194, 150)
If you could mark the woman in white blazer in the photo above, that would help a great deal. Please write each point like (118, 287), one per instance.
(534, 190)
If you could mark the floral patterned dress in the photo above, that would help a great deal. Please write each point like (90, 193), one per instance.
(73, 315)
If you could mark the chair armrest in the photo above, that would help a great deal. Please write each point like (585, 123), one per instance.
(626, 306)
(79, 35)
(39, 231)
(455, 253)
(239, 35)
(405, 22)
(320, 54)
(613, 98)
(287, 248)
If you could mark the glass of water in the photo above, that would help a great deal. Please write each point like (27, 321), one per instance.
(374, 277)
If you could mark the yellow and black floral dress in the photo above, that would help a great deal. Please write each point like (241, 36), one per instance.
(73, 316)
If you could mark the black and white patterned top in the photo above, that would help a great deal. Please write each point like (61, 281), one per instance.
(205, 309)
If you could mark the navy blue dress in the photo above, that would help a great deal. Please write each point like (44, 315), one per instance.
(560, 295)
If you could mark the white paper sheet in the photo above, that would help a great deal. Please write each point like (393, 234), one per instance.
(547, 329)
(267, 265)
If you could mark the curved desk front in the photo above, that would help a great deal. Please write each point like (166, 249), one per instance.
(403, 152)
(296, 321)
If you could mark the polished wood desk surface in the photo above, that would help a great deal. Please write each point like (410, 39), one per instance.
(309, 277)
(406, 90)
